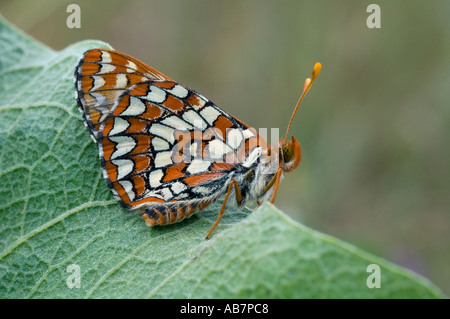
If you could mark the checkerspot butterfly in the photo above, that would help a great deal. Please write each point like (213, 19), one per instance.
(165, 149)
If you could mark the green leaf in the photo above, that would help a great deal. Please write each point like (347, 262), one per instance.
(56, 211)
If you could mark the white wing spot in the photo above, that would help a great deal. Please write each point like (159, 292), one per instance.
(121, 81)
(124, 167)
(136, 107)
(125, 144)
(163, 131)
(234, 137)
(106, 68)
(155, 178)
(159, 144)
(120, 125)
(178, 91)
(106, 57)
(163, 159)
(198, 166)
(178, 187)
(155, 94)
(210, 114)
(99, 81)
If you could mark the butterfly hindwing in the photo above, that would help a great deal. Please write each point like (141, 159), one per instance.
(164, 148)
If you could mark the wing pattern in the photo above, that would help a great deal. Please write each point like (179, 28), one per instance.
(164, 148)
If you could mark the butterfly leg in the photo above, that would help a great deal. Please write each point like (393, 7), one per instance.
(276, 184)
(222, 209)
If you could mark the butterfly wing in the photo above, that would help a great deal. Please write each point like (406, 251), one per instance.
(164, 148)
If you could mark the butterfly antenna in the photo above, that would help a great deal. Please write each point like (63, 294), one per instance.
(308, 83)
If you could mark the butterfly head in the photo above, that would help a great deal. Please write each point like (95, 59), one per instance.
(290, 154)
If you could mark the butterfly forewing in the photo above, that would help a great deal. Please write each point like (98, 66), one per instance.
(164, 148)
(101, 76)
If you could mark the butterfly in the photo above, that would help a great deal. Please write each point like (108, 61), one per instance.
(168, 151)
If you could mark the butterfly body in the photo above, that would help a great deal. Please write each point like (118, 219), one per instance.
(167, 150)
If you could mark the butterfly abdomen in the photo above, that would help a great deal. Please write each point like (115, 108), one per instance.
(171, 213)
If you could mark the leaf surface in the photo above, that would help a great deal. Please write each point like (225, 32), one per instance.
(56, 211)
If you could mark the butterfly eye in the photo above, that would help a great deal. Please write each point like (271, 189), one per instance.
(292, 155)
(287, 153)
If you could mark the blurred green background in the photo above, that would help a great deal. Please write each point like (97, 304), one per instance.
(374, 129)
